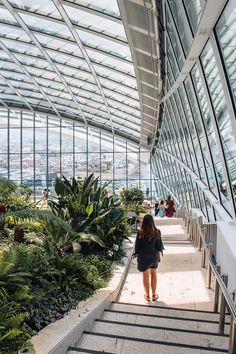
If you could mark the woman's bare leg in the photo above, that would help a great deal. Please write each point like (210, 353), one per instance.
(153, 273)
(146, 282)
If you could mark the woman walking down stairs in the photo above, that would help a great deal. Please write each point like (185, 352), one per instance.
(181, 321)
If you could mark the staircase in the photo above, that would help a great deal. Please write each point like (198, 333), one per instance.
(128, 326)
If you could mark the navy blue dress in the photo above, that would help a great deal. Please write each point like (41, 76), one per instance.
(147, 251)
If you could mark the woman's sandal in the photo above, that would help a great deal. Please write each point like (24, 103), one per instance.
(146, 297)
(155, 297)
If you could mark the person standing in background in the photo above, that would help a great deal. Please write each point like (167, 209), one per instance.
(162, 210)
(170, 209)
(156, 207)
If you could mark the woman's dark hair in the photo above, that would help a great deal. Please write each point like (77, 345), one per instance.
(148, 229)
(169, 201)
(162, 202)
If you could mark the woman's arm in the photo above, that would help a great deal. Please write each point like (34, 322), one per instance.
(137, 244)
(159, 243)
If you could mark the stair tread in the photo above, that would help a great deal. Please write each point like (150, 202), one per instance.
(124, 345)
(163, 322)
(74, 350)
(162, 335)
(153, 310)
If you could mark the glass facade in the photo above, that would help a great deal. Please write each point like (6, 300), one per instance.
(36, 149)
(70, 59)
(195, 154)
(70, 100)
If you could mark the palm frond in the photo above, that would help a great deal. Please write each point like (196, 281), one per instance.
(88, 238)
(7, 187)
(46, 216)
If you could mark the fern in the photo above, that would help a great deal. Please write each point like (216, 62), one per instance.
(13, 334)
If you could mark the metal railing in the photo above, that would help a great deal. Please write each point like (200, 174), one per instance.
(223, 301)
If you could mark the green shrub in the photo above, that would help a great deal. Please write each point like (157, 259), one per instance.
(133, 196)
(13, 334)
(45, 280)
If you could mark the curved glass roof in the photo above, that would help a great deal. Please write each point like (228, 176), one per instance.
(71, 59)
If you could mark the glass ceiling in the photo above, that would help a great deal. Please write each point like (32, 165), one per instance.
(70, 59)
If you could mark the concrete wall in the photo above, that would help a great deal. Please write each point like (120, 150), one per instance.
(226, 251)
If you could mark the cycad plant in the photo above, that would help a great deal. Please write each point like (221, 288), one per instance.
(90, 211)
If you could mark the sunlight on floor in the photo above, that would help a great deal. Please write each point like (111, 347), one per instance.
(181, 280)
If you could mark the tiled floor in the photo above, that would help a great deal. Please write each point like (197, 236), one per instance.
(181, 280)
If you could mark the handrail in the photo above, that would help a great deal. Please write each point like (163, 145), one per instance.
(230, 303)
(225, 292)
(197, 233)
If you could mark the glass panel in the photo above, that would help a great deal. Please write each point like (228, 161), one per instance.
(210, 135)
(144, 165)
(94, 162)
(54, 139)
(194, 10)
(67, 138)
(80, 139)
(181, 24)
(3, 166)
(106, 166)
(28, 168)
(14, 140)
(172, 68)
(133, 165)
(226, 33)
(203, 141)
(104, 6)
(188, 142)
(53, 165)
(27, 140)
(174, 39)
(209, 210)
(96, 22)
(67, 165)
(106, 46)
(15, 167)
(81, 165)
(106, 142)
(41, 168)
(93, 140)
(120, 166)
(220, 108)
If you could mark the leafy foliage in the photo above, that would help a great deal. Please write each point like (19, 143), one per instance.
(132, 196)
(94, 215)
(13, 334)
(80, 237)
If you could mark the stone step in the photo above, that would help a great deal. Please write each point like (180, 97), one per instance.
(159, 311)
(108, 343)
(164, 322)
(168, 221)
(153, 333)
(81, 350)
(176, 242)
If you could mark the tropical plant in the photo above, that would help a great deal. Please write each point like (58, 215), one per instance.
(13, 334)
(132, 196)
(91, 212)
(47, 279)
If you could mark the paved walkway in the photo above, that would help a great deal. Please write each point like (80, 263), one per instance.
(181, 280)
